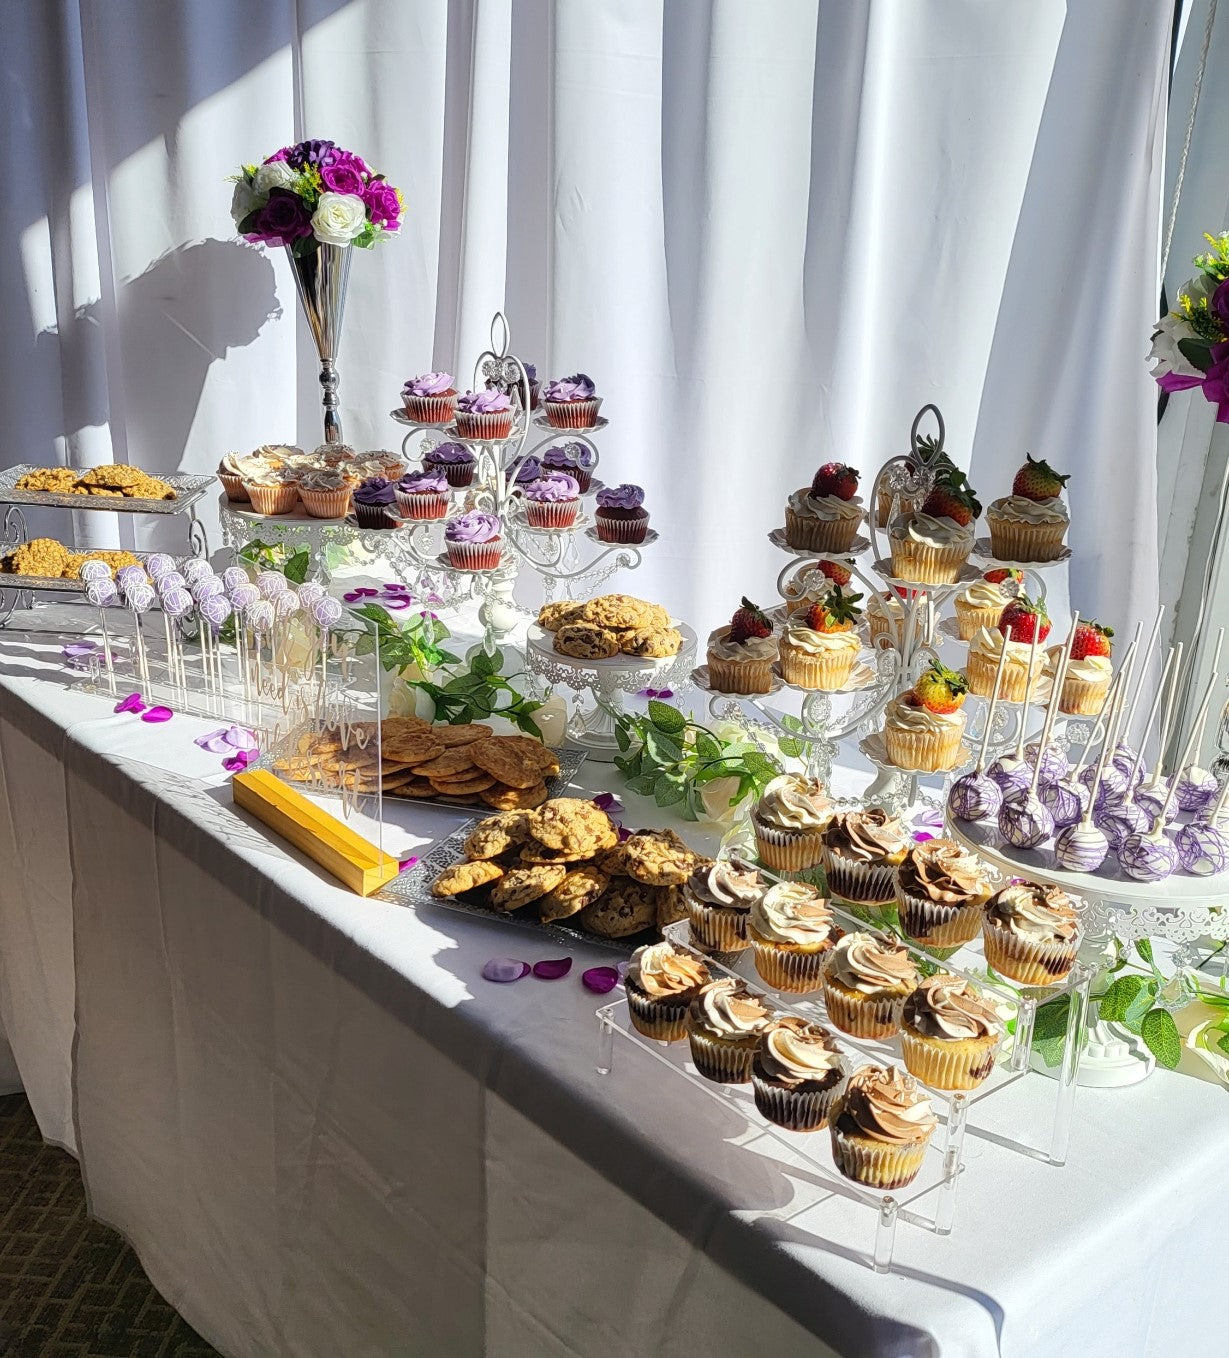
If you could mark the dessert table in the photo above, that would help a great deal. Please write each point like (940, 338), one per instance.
(324, 1133)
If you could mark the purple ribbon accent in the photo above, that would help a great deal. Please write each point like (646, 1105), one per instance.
(132, 703)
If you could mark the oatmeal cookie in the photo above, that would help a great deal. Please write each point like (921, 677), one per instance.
(464, 734)
(518, 886)
(584, 641)
(497, 834)
(42, 556)
(49, 480)
(619, 612)
(625, 908)
(465, 877)
(454, 763)
(463, 787)
(658, 858)
(581, 887)
(655, 642)
(510, 798)
(574, 826)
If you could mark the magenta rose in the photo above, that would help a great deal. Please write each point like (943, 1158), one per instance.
(383, 206)
(355, 162)
(342, 179)
(1220, 305)
(285, 218)
(283, 154)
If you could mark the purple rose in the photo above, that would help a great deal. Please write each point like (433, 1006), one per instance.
(383, 205)
(456, 453)
(625, 496)
(429, 384)
(283, 219)
(342, 179)
(578, 387)
(314, 152)
(1220, 304)
(484, 402)
(553, 488)
(423, 483)
(568, 455)
(473, 527)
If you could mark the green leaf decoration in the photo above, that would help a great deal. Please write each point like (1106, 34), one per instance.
(1160, 1034)
(664, 749)
(760, 765)
(1050, 1050)
(1138, 1009)
(296, 568)
(1223, 1043)
(643, 784)
(1143, 946)
(707, 746)
(666, 718)
(1198, 352)
(622, 739)
(1118, 999)
(483, 664)
(789, 747)
(669, 791)
(1051, 1020)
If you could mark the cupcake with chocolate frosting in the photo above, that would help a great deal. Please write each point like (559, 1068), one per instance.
(621, 515)
(940, 892)
(661, 983)
(881, 1125)
(718, 897)
(724, 1023)
(950, 1033)
(1031, 933)
(791, 930)
(789, 821)
(797, 1072)
(862, 850)
(867, 979)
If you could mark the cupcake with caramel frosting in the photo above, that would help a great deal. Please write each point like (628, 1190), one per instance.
(797, 1071)
(661, 982)
(940, 892)
(950, 1033)
(791, 931)
(789, 821)
(861, 852)
(718, 896)
(1031, 933)
(867, 979)
(724, 1023)
(881, 1125)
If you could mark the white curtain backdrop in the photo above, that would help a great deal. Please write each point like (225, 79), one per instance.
(769, 233)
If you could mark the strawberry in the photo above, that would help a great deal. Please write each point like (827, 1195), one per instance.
(838, 574)
(1091, 639)
(749, 621)
(1001, 573)
(1037, 480)
(952, 498)
(836, 612)
(835, 478)
(1022, 618)
(940, 689)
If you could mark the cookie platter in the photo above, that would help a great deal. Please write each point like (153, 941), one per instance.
(188, 490)
(51, 583)
(543, 642)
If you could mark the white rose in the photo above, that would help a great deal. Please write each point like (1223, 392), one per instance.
(243, 201)
(277, 174)
(552, 720)
(338, 218)
(1203, 1039)
(1165, 353)
(715, 797)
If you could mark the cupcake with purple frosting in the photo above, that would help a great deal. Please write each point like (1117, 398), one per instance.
(372, 501)
(474, 541)
(430, 399)
(453, 460)
(573, 458)
(484, 415)
(535, 387)
(621, 516)
(423, 495)
(552, 501)
(571, 402)
(529, 470)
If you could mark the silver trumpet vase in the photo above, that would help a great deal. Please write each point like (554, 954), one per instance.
(321, 276)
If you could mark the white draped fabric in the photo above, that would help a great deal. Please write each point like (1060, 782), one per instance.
(770, 234)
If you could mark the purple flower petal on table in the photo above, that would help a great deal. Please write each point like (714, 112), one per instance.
(505, 969)
(600, 979)
(552, 968)
(351, 596)
(239, 738)
(397, 602)
(608, 802)
(157, 714)
(77, 650)
(132, 703)
(392, 587)
(407, 863)
(215, 742)
(922, 836)
(622, 970)
(624, 833)
(240, 760)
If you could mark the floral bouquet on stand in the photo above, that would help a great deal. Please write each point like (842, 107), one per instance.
(317, 199)
(1190, 346)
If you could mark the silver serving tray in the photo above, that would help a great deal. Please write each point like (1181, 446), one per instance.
(413, 887)
(188, 489)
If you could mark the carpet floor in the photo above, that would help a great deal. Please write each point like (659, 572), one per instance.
(69, 1287)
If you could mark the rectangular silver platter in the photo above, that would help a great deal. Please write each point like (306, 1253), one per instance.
(189, 489)
(413, 887)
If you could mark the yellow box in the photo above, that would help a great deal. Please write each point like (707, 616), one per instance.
(353, 860)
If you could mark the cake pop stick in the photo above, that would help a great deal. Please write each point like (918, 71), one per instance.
(974, 796)
(1195, 735)
(1143, 670)
(1153, 712)
(1029, 688)
(1082, 846)
(102, 594)
(1196, 786)
(1056, 688)
(139, 595)
(1166, 732)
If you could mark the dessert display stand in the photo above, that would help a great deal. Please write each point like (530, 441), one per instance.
(17, 590)
(930, 1200)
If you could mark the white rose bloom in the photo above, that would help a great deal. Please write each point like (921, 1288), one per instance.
(243, 201)
(277, 174)
(715, 797)
(1165, 354)
(1204, 1041)
(338, 218)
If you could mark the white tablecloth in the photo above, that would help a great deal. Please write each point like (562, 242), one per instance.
(325, 1134)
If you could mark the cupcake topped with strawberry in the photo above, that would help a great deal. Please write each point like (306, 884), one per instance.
(1089, 671)
(1031, 522)
(814, 582)
(923, 727)
(983, 602)
(820, 647)
(1021, 620)
(824, 517)
(931, 545)
(741, 654)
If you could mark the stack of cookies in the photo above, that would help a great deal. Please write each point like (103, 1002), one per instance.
(566, 862)
(51, 560)
(459, 765)
(609, 625)
(129, 483)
